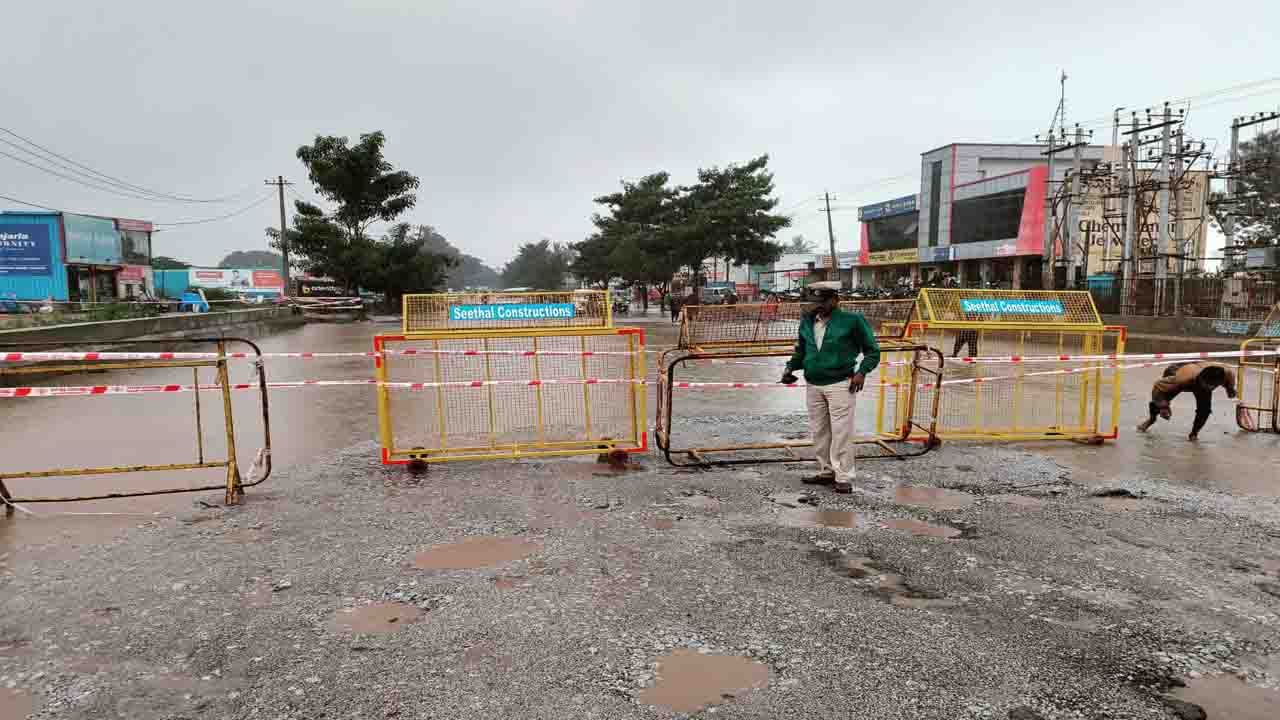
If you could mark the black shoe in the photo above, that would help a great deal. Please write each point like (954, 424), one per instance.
(844, 487)
(819, 480)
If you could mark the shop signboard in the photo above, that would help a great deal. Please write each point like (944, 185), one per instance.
(937, 254)
(896, 206)
(25, 250)
(132, 273)
(893, 257)
(1011, 306)
(267, 280)
(320, 288)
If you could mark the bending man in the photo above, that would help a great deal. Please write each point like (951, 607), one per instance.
(827, 350)
(1198, 378)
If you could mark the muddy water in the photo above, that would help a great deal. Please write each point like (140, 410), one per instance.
(376, 619)
(932, 497)
(15, 704)
(924, 529)
(1229, 698)
(823, 518)
(689, 681)
(474, 552)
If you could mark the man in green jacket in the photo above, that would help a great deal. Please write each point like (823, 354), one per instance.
(828, 350)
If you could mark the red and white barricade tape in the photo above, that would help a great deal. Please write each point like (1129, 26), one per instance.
(102, 356)
(81, 390)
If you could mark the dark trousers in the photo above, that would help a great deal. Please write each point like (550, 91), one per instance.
(966, 337)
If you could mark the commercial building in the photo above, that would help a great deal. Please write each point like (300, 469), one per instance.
(979, 216)
(78, 258)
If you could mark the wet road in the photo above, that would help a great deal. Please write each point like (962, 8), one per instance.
(306, 423)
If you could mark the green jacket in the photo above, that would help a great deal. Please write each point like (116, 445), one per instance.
(848, 336)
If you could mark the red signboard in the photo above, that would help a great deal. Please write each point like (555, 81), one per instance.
(135, 225)
(267, 279)
(134, 273)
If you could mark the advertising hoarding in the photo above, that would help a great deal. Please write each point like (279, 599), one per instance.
(233, 279)
(25, 250)
(1099, 231)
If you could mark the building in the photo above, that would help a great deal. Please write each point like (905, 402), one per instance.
(77, 258)
(979, 216)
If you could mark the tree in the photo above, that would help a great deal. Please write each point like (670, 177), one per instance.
(799, 246)
(541, 265)
(467, 271)
(401, 263)
(365, 188)
(359, 180)
(1255, 220)
(727, 214)
(164, 262)
(253, 259)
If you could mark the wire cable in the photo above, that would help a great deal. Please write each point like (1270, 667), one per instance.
(115, 180)
(227, 216)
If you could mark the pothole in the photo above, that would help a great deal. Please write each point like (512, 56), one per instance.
(890, 587)
(1227, 696)
(823, 518)
(376, 619)
(920, 528)
(15, 704)
(476, 552)
(1022, 501)
(934, 498)
(689, 681)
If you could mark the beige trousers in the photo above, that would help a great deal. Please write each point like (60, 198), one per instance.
(831, 423)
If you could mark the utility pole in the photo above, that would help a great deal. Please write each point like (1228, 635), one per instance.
(280, 184)
(1128, 263)
(834, 270)
(1046, 257)
(1108, 204)
(1179, 242)
(1073, 209)
(1162, 236)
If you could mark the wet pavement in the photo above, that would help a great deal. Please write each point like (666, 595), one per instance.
(964, 584)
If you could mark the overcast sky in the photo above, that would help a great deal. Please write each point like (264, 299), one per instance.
(514, 115)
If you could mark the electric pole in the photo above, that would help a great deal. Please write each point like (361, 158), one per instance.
(834, 270)
(280, 184)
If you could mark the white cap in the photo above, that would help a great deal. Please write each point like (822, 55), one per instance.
(825, 286)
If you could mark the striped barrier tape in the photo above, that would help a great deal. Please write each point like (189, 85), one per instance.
(81, 390)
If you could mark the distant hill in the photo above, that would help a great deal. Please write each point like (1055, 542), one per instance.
(253, 259)
(470, 271)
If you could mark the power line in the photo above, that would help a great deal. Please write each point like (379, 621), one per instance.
(229, 215)
(78, 181)
(110, 179)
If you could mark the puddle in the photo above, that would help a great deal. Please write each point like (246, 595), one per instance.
(1021, 501)
(15, 704)
(507, 582)
(933, 498)
(662, 523)
(916, 527)
(376, 619)
(823, 518)
(701, 502)
(689, 681)
(1228, 697)
(474, 552)
(15, 648)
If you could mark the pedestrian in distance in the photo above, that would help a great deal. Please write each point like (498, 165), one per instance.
(674, 303)
(1197, 378)
(967, 338)
(836, 350)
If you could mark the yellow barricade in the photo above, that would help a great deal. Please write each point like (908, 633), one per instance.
(234, 484)
(1259, 381)
(1000, 395)
(509, 375)
(903, 425)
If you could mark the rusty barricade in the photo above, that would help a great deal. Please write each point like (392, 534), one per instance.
(1258, 407)
(494, 375)
(115, 357)
(903, 424)
(1000, 391)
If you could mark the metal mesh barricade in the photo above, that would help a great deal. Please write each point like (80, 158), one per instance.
(459, 396)
(506, 311)
(1258, 407)
(767, 423)
(1015, 373)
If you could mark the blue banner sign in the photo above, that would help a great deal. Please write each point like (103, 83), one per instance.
(888, 208)
(1269, 331)
(1012, 307)
(24, 250)
(512, 311)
